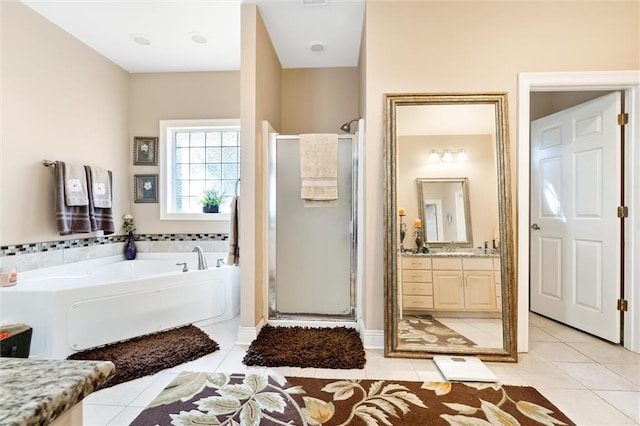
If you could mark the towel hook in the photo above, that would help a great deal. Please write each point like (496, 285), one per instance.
(49, 163)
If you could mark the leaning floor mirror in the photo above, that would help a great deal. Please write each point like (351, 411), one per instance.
(449, 259)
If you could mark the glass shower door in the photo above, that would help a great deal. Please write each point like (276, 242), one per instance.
(312, 273)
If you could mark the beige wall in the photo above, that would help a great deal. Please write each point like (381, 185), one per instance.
(261, 77)
(477, 47)
(60, 101)
(176, 96)
(319, 100)
(480, 168)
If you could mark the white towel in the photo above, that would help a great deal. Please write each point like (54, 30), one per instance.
(75, 185)
(319, 166)
(101, 187)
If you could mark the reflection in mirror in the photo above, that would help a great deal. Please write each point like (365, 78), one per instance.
(442, 294)
(445, 211)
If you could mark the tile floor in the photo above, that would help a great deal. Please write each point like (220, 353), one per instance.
(591, 381)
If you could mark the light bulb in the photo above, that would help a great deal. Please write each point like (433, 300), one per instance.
(447, 156)
(434, 156)
(462, 155)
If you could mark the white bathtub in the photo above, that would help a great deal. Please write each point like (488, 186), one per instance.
(87, 304)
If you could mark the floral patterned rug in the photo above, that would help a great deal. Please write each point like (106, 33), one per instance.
(416, 331)
(236, 399)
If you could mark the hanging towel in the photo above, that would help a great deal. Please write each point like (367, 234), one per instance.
(100, 187)
(70, 219)
(75, 185)
(233, 257)
(100, 218)
(319, 167)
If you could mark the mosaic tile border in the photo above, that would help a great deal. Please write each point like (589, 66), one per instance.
(41, 247)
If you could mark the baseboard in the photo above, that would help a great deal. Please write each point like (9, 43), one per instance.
(372, 339)
(246, 335)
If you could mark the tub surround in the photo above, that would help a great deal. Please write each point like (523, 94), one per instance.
(42, 392)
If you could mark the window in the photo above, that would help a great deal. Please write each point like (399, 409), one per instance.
(197, 155)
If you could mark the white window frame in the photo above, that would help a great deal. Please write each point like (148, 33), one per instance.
(166, 166)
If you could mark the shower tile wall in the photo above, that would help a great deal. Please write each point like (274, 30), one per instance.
(27, 257)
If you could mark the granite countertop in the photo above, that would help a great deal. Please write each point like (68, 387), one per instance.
(36, 392)
(457, 254)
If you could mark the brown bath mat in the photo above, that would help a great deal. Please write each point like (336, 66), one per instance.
(327, 347)
(146, 355)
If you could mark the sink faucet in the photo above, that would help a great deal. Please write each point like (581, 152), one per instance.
(202, 262)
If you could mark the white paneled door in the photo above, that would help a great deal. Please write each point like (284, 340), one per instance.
(575, 232)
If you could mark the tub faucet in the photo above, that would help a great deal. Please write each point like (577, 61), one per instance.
(219, 263)
(184, 266)
(202, 262)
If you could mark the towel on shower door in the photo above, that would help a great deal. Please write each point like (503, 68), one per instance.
(75, 185)
(101, 218)
(70, 219)
(319, 167)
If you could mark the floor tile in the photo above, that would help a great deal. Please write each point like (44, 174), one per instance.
(539, 335)
(99, 415)
(630, 372)
(154, 389)
(595, 376)
(557, 351)
(121, 394)
(585, 408)
(627, 402)
(126, 416)
(330, 373)
(591, 381)
(605, 352)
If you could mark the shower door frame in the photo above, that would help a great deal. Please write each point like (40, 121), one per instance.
(271, 255)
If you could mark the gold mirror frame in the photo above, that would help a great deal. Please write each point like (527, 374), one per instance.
(391, 243)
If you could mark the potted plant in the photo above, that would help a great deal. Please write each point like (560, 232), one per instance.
(211, 201)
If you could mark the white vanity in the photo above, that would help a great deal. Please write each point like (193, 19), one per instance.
(464, 284)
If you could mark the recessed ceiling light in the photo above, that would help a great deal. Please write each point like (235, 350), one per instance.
(140, 39)
(199, 38)
(316, 46)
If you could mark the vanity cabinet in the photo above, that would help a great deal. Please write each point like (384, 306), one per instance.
(464, 283)
(417, 283)
(450, 283)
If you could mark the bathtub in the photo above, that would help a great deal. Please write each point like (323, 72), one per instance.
(87, 304)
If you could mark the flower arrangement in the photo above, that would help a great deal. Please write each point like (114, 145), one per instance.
(129, 225)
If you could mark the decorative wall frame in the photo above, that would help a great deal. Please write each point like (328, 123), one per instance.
(145, 151)
(145, 188)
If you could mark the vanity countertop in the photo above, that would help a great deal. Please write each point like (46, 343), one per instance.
(37, 392)
(448, 254)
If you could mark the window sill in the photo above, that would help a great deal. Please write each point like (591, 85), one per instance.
(211, 217)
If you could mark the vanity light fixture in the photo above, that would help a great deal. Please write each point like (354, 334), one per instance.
(447, 156)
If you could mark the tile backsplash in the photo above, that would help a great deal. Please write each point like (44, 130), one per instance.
(27, 257)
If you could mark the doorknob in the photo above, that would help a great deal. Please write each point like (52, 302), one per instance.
(535, 227)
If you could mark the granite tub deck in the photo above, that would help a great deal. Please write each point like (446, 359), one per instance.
(42, 392)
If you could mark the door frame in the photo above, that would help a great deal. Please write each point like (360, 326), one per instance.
(629, 82)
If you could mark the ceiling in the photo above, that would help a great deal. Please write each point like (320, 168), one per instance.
(168, 28)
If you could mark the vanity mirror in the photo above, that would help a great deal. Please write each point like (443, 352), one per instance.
(444, 211)
(449, 278)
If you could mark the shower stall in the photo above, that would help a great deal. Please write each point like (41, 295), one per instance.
(313, 250)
